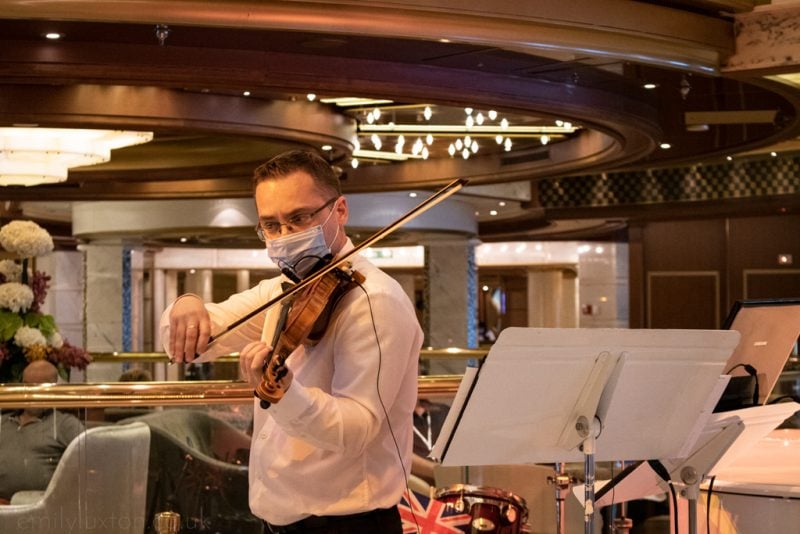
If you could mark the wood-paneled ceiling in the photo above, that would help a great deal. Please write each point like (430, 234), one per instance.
(533, 63)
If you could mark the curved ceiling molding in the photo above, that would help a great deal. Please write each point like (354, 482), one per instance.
(618, 29)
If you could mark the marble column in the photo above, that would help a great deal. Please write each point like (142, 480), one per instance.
(65, 296)
(451, 298)
(552, 298)
(604, 299)
(242, 280)
(104, 304)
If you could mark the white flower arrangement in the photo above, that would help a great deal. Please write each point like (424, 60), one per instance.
(27, 333)
(16, 297)
(28, 337)
(11, 270)
(55, 340)
(26, 239)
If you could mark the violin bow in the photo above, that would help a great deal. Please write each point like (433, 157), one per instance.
(422, 207)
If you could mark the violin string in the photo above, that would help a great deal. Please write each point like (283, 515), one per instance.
(380, 398)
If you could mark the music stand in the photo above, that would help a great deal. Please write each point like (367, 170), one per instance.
(598, 394)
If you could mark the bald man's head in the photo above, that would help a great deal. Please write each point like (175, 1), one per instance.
(40, 372)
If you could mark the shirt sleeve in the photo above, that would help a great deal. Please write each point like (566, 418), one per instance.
(226, 313)
(375, 352)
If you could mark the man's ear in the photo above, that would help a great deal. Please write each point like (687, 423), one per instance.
(342, 211)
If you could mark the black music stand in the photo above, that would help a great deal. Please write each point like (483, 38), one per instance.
(546, 395)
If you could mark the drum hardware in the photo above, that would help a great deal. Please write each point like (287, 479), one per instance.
(562, 481)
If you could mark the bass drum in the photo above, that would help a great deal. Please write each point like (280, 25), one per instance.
(492, 510)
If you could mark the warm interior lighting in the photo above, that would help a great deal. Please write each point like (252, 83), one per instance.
(32, 156)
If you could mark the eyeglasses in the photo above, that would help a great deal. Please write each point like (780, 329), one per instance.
(272, 229)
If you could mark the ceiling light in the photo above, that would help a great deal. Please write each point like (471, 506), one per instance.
(53, 35)
(427, 113)
(665, 146)
(246, 93)
(470, 122)
(650, 85)
(773, 154)
(507, 144)
(498, 139)
(465, 153)
(451, 149)
(493, 212)
(389, 156)
(376, 113)
(455, 129)
(729, 158)
(474, 147)
(311, 97)
(429, 139)
(492, 114)
(501, 203)
(459, 144)
(349, 101)
(184, 239)
(425, 152)
(412, 195)
(479, 118)
(468, 111)
(544, 139)
(32, 156)
(326, 147)
(354, 163)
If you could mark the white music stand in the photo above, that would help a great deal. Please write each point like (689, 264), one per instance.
(546, 395)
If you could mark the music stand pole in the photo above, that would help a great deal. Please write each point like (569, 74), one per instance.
(562, 483)
(590, 431)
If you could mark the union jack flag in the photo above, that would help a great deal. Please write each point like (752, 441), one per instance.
(423, 515)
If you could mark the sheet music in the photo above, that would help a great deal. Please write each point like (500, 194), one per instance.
(439, 448)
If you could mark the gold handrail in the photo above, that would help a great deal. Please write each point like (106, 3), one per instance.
(161, 357)
(119, 394)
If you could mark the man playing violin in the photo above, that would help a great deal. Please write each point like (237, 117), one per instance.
(333, 453)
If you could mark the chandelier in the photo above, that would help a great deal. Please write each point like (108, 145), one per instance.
(33, 156)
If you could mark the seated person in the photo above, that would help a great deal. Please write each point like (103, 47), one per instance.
(32, 440)
(428, 420)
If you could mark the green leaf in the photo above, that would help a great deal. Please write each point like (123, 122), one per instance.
(9, 324)
(44, 323)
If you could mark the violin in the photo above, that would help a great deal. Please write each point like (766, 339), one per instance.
(313, 299)
(306, 322)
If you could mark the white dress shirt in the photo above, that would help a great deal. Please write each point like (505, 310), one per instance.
(328, 447)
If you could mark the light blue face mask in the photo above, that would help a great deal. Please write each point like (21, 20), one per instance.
(297, 254)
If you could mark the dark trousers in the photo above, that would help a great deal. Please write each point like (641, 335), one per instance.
(385, 521)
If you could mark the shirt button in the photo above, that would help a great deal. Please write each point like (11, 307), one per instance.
(263, 435)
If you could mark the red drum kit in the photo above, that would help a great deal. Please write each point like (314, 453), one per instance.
(492, 510)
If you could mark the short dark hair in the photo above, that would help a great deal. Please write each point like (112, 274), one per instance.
(300, 160)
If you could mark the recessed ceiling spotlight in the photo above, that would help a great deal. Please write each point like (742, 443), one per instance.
(184, 239)
(53, 35)
(412, 194)
(773, 154)
(427, 113)
(246, 93)
(665, 146)
(468, 111)
(444, 40)
(354, 163)
(502, 203)
(729, 158)
(326, 147)
(492, 114)
(311, 97)
(492, 212)
(650, 85)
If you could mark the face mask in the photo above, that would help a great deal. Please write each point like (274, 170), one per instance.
(299, 253)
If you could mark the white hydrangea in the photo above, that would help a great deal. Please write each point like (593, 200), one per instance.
(15, 297)
(55, 340)
(11, 270)
(26, 239)
(28, 337)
